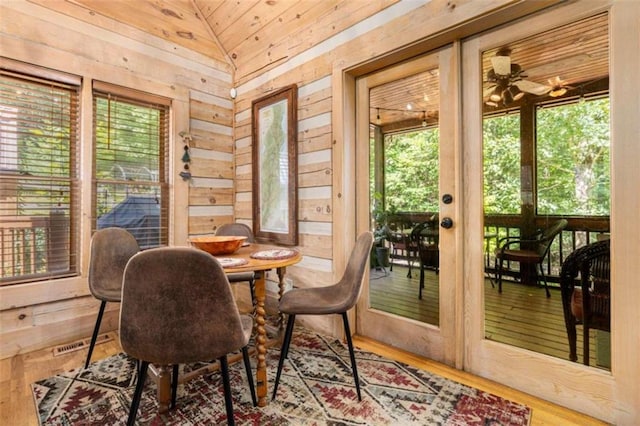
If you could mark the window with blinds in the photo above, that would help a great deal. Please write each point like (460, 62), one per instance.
(39, 204)
(131, 137)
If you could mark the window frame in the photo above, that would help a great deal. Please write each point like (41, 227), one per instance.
(62, 242)
(163, 105)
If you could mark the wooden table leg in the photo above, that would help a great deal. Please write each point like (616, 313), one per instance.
(261, 339)
(281, 274)
(163, 375)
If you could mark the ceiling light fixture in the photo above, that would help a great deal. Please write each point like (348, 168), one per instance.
(496, 96)
(515, 92)
(378, 121)
(424, 119)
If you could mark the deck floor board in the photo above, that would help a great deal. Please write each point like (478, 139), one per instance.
(521, 315)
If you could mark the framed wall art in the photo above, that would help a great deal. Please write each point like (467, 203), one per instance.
(275, 167)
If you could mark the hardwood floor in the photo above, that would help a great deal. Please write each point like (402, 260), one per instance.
(521, 315)
(17, 373)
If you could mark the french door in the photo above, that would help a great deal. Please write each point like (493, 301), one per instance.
(459, 335)
(435, 76)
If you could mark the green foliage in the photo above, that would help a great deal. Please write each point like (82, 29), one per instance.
(501, 151)
(411, 170)
(573, 159)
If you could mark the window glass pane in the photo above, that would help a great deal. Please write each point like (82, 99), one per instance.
(38, 130)
(573, 159)
(501, 150)
(130, 168)
(411, 171)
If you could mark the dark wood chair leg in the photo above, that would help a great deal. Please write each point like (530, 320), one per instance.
(228, 402)
(352, 355)
(544, 278)
(247, 367)
(284, 352)
(135, 402)
(499, 278)
(94, 336)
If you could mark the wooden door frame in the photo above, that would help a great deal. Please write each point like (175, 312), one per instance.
(609, 396)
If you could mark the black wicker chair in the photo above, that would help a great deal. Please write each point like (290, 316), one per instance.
(531, 250)
(425, 236)
(586, 300)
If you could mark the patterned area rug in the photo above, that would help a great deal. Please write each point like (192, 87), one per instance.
(316, 388)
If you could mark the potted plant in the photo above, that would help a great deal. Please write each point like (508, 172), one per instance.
(379, 251)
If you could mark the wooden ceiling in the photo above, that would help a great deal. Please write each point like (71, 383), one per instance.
(249, 35)
(252, 36)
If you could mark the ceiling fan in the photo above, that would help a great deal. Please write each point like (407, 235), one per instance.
(506, 83)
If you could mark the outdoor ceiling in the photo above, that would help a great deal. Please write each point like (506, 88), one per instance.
(577, 53)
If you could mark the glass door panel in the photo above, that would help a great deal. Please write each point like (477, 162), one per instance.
(547, 188)
(410, 168)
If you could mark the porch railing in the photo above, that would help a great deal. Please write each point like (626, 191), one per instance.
(579, 232)
(33, 246)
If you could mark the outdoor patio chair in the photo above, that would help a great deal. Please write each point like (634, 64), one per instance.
(111, 248)
(586, 293)
(401, 244)
(177, 308)
(531, 250)
(425, 236)
(333, 299)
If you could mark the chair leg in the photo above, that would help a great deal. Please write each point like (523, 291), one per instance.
(174, 385)
(247, 367)
(284, 352)
(585, 340)
(421, 282)
(94, 336)
(352, 355)
(544, 278)
(499, 276)
(228, 402)
(135, 402)
(252, 289)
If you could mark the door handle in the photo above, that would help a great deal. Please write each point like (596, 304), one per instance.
(446, 223)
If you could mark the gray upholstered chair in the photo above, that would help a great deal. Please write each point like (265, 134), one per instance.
(240, 230)
(334, 299)
(177, 308)
(111, 249)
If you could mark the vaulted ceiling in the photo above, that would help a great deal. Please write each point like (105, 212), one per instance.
(252, 36)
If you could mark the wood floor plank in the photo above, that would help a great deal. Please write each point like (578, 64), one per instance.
(521, 315)
(18, 372)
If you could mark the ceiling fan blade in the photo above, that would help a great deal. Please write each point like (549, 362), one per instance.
(488, 90)
(531, 87)
(501, 65)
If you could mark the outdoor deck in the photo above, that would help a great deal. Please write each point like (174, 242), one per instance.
(521, 316)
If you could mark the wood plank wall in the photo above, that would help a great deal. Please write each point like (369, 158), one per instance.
(42, 314)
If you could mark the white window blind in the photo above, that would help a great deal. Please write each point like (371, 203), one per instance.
(131, 161)
(38, 177)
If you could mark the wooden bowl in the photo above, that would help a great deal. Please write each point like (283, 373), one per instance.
(217, 245)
